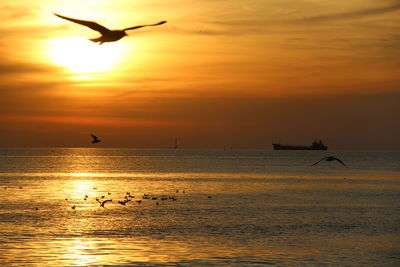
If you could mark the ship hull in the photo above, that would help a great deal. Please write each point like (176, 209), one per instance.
(294, 147)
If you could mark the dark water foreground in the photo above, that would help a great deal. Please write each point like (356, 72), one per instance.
(221, 208)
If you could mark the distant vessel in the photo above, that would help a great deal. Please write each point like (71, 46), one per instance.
(316, 145)
(175, 144)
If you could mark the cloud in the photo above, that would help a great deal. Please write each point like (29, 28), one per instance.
(279, 20)
(8, 68)
(16, 12)
(353, 14)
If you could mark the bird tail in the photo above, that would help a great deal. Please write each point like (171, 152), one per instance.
(97, 40)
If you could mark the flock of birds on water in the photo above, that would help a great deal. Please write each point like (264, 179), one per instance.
(106, 198)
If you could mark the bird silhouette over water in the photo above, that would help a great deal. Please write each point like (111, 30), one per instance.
(106, 34)
(102, 203)
(330, 158)
(95, 139)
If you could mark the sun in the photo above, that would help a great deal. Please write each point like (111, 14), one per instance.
(81, 56)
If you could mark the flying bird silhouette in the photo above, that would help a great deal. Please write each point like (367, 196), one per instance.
(330, 158)
(95, 139)
(102, 203)
(106, 34)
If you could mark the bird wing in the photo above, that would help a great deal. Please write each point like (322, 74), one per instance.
(91, 24)
(319, 161)
(105, 201)
(340, 162)
(94, 137)
(140, 26)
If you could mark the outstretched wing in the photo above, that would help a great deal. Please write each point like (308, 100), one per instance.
(140, 26)
(91, 24)
(94, 137)
(104, 202)
(340, 162)
(319, 161)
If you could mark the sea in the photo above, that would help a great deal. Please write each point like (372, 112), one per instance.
(182, 207)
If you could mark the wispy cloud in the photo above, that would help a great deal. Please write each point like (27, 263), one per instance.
(281, 20)
(14, 12)
(352, 14)
(7, 68)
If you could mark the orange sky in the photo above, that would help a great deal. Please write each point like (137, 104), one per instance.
(233, 73)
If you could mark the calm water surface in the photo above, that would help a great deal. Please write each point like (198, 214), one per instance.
(236, 207)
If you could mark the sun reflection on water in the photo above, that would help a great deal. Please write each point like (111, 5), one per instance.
(82, 186)
(80, 252)
(88, 251)
(83, 174)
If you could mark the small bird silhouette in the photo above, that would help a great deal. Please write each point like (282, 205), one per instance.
(106, 34)
(103, 202)
(123, 202)
(329, 158)
(95, 139)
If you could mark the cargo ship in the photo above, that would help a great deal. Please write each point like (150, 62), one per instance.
(316, 145)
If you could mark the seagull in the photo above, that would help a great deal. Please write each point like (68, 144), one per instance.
(123, 202)
(329, 158)
(106, 34)
(103, 202)
(95, 139)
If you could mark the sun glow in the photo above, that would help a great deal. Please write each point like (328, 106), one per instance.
(81, 56)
